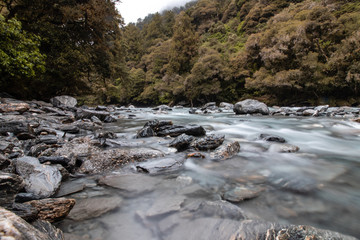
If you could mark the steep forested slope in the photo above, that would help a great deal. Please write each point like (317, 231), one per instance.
(279, 51)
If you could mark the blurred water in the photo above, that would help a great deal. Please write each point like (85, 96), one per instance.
(317, 186)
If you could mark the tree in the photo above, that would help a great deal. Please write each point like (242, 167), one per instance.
(20, 57)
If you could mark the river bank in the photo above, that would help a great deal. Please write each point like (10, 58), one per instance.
(229, 177)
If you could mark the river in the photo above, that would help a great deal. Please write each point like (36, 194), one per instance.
(318, 186)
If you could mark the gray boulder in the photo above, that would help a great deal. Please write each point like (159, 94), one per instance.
(251, 106)
(41, 180)
(63, 101)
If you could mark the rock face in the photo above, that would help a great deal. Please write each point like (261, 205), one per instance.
(41, 180)
(251, 106)
(10, 185)
(208, 142)
(53, 209)
(14, 107)
(63, 101)
(226, 151)
(13, 227)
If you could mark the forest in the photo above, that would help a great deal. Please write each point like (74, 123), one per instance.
(283, 52)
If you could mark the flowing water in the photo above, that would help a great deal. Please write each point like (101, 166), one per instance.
(319, 185)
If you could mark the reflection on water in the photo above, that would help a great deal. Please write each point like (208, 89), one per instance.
(317, 186)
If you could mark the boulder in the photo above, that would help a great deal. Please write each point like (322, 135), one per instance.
(94, 207)
(209, 142)
(63, 101)
(52, 209)
(10, 185)
(145, 132)
(176, 130)
(182, 142)
(227, 106)
(88, 114)
(14, 227)
(41, 180)
(251, 106)
(226, 151)
(14, 107)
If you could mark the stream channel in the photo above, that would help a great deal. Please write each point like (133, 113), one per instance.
(317, 186)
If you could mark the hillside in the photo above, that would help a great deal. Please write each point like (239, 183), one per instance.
(279, 51)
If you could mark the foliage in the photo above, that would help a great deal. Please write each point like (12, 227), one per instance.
(20, 58)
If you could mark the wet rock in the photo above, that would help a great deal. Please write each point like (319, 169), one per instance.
(10, 185)
(46, 227)
(55, 111)
(25, 197)
(239, 194)
(87, 114)
(322, 108)
(96, 120)
(70, 129)
(211, 106)
(146, 132)
(52, 209)
(219, 209)
(105, 134)
(156, 124)
(15, 127)
(64, 161)
(93, 207)
(48, 139)
(6, 165)
(160, 165)
(102, 161)
(63, 101)
(271, 138)
(226, 151)
(182, 142)
(251, 106)
(176, 130)
(309, 112)
(101, 108)
(42, 180)
(71, 187)
(110, 119)
(25, 211)
(14, 227)
(14, 107)
(165, 205)
(89, 126)
(283, 148)
(227, 106)
(195, 155)
(132, 184)
(208, 142)
(162, 108)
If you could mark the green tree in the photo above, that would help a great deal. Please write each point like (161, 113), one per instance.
(20, 57)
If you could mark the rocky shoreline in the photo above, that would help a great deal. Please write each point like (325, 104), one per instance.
(44, 144)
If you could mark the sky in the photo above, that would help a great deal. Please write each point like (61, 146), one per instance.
(131, 10)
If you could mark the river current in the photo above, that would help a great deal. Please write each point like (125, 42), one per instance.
(318, 186)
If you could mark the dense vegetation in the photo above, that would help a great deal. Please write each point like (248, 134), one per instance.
(279, 51)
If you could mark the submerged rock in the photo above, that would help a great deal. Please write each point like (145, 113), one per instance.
(131, 184)
(219, 209)
(208, 142)
(93, 207)
(284, 148)
(251, 106)
(226, 151)
(165, 205)
(239, 194)
(41, 180)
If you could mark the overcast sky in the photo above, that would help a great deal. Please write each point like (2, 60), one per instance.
(131, 10)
